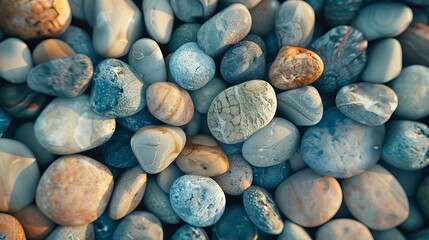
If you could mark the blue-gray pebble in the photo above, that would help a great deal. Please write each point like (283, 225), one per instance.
(271, 177)
(341, 12)
(141, 119)
(234, 224)
(203, 97)
(185, 33)
(5, 121)
(188, 232)
(117, 151)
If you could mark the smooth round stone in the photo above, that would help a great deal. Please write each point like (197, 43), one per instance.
(73, 232)
(340, 48)
(117, 151)
(128, 192)
(24, 18)
(202, 156)
(308, 198)
(35, 224)
(412, 89)
(385, 54)
(15, 60)
(193, 11)
(302, 106)
(74, 190)
(185, 33)
(235, 21)
(271, 145)
(166, 178)
(190, 67)
(187, 231)
(264, 17)
(156, 147)
(414, 42)
(197, 200)
(234, 224)
(203, 97)
(292, 231)
(157, 202)
(262, 210)
(80, 42)
(10, 227)
(238, 178)
(5, 121)
(272, 46)
(271, 177)
(20, 101)
(391, 233)
(19, 174)
(406, 145)
(242, 62)
(117, 25)
(416, 220)
(341, 12)
(68, 125)
(105, 227)
(371, 104)
(169, 103)
(343, 228)
(62, 77)
(295, 24)
(50, 49)
(381, 20)
(329, 149)
(146, 57)
(376, 198)
(141, 119)
(232, 116)
(423, 196)
(159, 19)
(139, 225)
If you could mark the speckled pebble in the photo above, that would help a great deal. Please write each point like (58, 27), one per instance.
(189, 232)
(184, 33)
(159, 19)
(292, 231)
(11, 228)
(20, 101)
(136, 121)
(15, 60)
(423, 196)
(271, 177)
(139, 225)
(85, 232)
(238, 178)
(234, 224)
(203, 97)
(166, 177)
(343, 228)
(117, 151)
(193, 11)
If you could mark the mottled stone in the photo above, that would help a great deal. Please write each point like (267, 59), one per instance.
(389, 234)
(341, 12)
(50, 49)
(203, 97)
(193, 11)
(159, 19)
(139, 225)
(104, 227)
(20, 101)
(117, 151)
(292, 231)
(73, 232)
(414, 42)
(10, 228)
(234, 224)
(308, 198)
(15, 60)
(423, 196)
(5, 121)
(184, 33)
(166, 177)
(238, 178)
(136, 121)
(36, 225)
(81, 42)
(264, 17)
(187, 231)
(232, 116)
(271, 177)
(340, 48)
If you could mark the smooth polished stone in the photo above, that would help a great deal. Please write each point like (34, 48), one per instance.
(341, 12)
(309, 199)
(238, 178)
(292, 231)
(235, 22)
(384, 61)
(66, 192)
(382, 20)
(159, 19)
(117, 151)
(340, 48)
(371, 104)
(234, 224)
(62, 77)
(423, 196)
(50, 49)
(11, 228)
(271, 177)
(156, 147)
(141, 119)
(68, 126)
(80, 41)
(414, 42)
(20, 101)
(391, 233)
(139, 225)
(187, 231)
(128, 192)
(184, 33)
(376, 198)
(73, 232)
(146, 58)
(203, 97)
(343, 228)
(104, 227)
(5, 121)
(166, 177)
(116, 25)
(232, 116)
(206, 204)
(15, 60)
(295, 24)
(264, 17)
(193, 11)
(19, 174)
(36, 225)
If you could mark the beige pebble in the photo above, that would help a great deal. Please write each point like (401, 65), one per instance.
(36, 225)
(166, 178)
(202, 156)
(238, 178)
(51, 49)
(10, 228)
(342, 228)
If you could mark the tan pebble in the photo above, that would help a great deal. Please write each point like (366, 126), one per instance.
(170, 103)
(166, 178)
(10, 228)
(238, 178)
(36, 225)
(295, 67)
(51, 49)
(342, 228)
(309, 199)
(74, 190)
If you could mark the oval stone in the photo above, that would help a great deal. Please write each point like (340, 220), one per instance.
(36, 225)
(73, 232)
(15, 60)
(159, 19)
(203, 97)
(423, 196)
(271, 177)
(189, 232)
(264, 17)
(50, 49)
(235, 224)
(167, 176)
(232, 116)
(292, 231)
(238, 178)
(193, 11)
(10, 227)
(139, 225)
(343, 228)
(341, 12)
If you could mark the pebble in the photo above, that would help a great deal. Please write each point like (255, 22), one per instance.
(105, 227)
(68, 126)
(416, 220)
(157, 202)
(35, 224)
(128, 192)
(116, 25)
(272, 46)
(264, 17)
(187, 231)
(166, 177)
(198, 200)
(20, 101)
(62, 77)
(230, 123)
(136, 121)
(24, 19)
(238, 178)
(159, 19)
(295, 24)
(340, 48)
(414, 42)
(73, 232)
(15, 60)
(5, 121)
(302, 106)
(385, 54)
(341, 12)
(308, 198)
(234, 224)
(169, 103)
(343, 228)
(10, 227)
(262, 210)
(376, 198)
(371, 104)
(146, 57)
(202, 156)
(259, 41)
(117, 90)
(156, 147)
(139, 225)
(389, 234)
(271, 177)
(184, 33)
(190, 67)
(423, 196)
(117, 151)
(203, 97)
(412, 89)
(406, 145)
(193, 127)
(50, 49)
(80, 42)
(235, 22)
(292, 231)
(19, 174)
(193, 11)
(383, 19)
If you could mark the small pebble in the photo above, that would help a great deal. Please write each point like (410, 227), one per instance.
(193, 11)
(292, 231)
(166, 177)
(423, 196)
(185, 33)
(15, 60)
(414, 42)
(271, 177)
(264, 17)
(73, 232)
(104, 227)
(36, 225)
(238, 178)
(343, 228)
(117, 151)
(159, 19)
(11, 228)
(81, 42)
(203, 97)
(50, 49)
(189, 232)
(341, 12)
(139, 225)
(136, 121)
(234, 224)
(20, 101)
